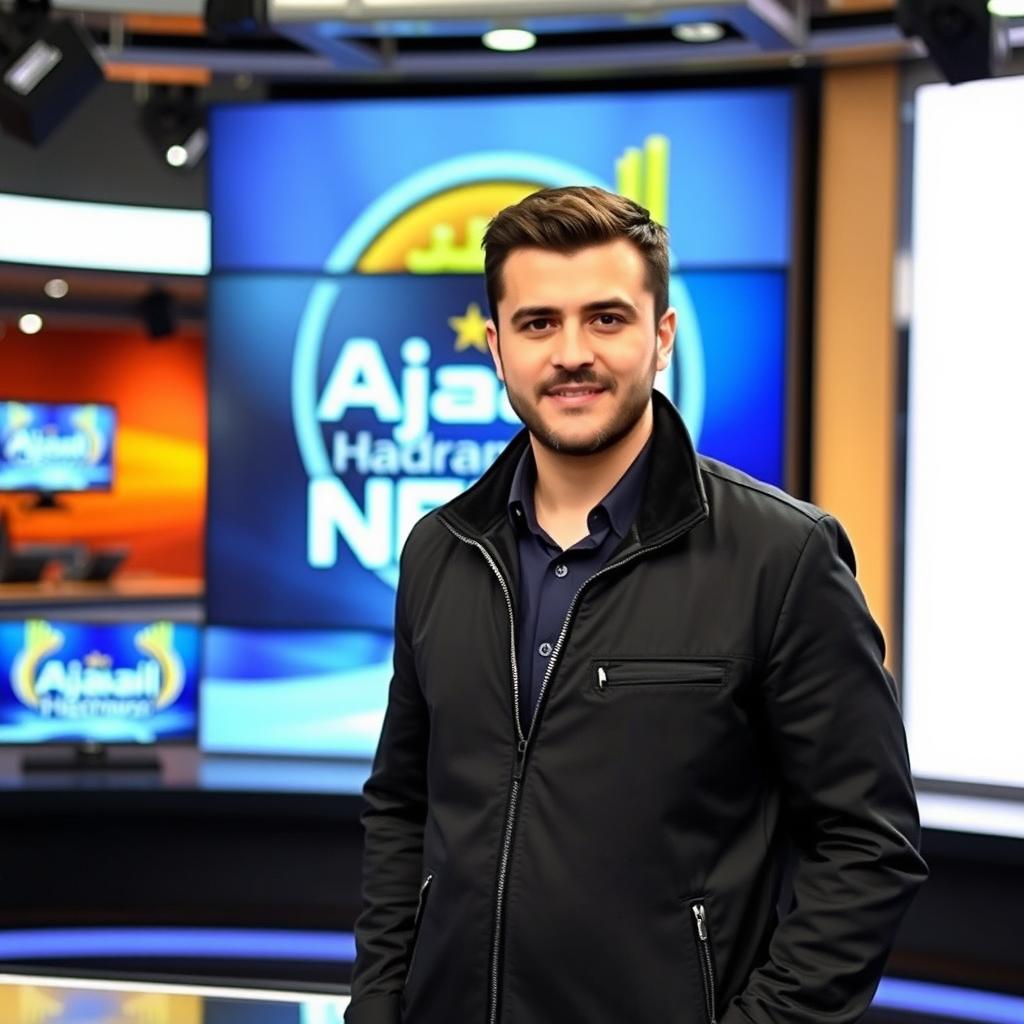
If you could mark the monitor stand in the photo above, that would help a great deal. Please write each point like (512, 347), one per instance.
(45, 501)
(90, 757)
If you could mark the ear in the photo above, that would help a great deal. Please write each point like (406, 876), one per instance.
(492, 344)
(666, 337)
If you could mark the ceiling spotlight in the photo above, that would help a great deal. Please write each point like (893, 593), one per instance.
(698, 32)
(1006, 8)
(509, 40)
(30, 323)
(57, 288)
(174, 121)
(46, 69)
(964, 40)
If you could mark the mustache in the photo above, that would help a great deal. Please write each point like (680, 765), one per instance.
(584, 377)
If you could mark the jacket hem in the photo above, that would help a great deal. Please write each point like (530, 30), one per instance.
(375, 1010)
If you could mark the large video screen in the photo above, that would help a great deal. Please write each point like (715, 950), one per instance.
(56, 448)
(963, 691)
(351, 387)
(79, 682)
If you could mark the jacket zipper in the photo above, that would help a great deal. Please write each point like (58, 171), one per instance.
(523, 742)
(707, 967)
(416, 922)
(513, 798)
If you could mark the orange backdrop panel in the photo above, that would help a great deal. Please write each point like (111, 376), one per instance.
(157, 504)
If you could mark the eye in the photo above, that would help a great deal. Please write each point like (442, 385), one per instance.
(542, 323)
(608, 319)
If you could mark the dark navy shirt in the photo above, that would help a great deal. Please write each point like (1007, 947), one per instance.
(549, 577)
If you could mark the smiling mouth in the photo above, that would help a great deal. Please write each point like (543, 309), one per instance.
(577, 392)
(575, 397)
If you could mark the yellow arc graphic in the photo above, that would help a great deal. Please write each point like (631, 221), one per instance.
(86, 422)
(41, 640)
(158, 642)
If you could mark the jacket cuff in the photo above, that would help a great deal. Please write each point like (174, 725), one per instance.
(375, 1010)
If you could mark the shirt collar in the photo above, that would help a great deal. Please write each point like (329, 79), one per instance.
(619, 505)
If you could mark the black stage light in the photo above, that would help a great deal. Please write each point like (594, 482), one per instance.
(174, 121)
(46, 70)
(159, 313)
(963, 39)
(235, 17)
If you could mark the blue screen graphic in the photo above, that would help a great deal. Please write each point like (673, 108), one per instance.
(75, 682)
(56, 447)
(320, 693)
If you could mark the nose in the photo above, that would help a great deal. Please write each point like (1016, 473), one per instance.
(571, 348)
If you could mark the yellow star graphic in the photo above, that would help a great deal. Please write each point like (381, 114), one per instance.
(470, 330)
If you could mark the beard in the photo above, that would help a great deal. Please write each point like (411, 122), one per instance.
(635, 395)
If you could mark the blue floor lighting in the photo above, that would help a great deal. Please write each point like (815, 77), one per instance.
(949, 1002)
(219, 943)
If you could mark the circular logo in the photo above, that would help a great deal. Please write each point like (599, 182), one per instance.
(384, 238)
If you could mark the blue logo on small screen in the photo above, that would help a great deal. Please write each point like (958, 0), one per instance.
(55, 447)
(70, 681)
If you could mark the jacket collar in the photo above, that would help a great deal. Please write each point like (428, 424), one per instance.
(673, 502)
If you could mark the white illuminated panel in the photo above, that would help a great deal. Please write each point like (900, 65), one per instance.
(972, 814)
(102, 236)
(964, 618)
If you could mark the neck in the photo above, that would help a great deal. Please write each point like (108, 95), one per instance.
(571, 485)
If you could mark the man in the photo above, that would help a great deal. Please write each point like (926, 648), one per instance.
(629, 683)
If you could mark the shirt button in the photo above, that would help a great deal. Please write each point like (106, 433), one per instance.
(544, 650)
(561, 570)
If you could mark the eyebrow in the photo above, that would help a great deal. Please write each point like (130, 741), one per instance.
(527, 313)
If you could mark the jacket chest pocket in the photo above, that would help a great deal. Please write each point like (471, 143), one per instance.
(683, 673)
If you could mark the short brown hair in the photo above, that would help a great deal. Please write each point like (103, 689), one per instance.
(568, 219)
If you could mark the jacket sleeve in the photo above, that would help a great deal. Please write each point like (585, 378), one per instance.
(842, 759)
(396, 798)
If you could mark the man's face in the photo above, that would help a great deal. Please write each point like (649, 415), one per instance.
(579, 344)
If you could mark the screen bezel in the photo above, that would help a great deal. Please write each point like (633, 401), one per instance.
(805, 88)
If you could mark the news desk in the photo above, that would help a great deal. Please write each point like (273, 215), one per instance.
(119, 598)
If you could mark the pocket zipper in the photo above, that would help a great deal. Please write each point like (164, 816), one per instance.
(694, 675)
(707, 967)
(416, 922)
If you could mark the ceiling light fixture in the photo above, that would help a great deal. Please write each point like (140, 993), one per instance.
(174, 121)
(56, 288)
(509, 40)
(698, 32)
(30, 323)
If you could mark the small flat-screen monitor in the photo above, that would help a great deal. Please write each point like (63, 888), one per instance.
(98, 683)
(56, 448)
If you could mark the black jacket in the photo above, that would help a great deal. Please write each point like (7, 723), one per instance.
(716, 697)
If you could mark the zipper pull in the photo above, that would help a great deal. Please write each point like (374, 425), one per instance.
(520, 760)
(602, 677)
(702, 925)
